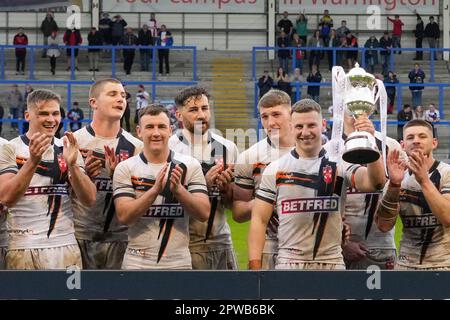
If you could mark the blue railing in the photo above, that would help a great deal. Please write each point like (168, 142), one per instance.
(335, 50)
(113, 49)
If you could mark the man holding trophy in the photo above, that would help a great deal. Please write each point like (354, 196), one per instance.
(368, 245)
(308, 189)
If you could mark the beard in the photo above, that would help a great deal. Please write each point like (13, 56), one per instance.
(192, 127)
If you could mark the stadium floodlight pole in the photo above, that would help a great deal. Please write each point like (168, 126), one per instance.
(95, 13)
(271, 28)
(446, 26)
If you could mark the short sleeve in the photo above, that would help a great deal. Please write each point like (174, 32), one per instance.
(196, 180)
(268, 189)
(8, 162)
(445, 182)
(122, 184)
(243, 173)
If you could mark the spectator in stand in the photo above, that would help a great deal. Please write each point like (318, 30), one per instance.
(28, 89)
(295, 79)
(164, 39)
(334, 42)
(283, 81)
(419, 34)
(117, 29)
(48, 25)
(126, 116)
(371, 54)
(351, 55)
(72, 37)
(299, 54)
(75, 115)
(325, 24)
(128, 39)
(403, 116)
(283, 55)
(342, 31)
(2, 114)
(153, 25)
(419, 113)
(391, 78)
(432, 33)
(386, 45)
(285, 25)
(145, 39)
(53, 51)
(104, 27)
(95, 38)
(142, 100)
(315, 77)
(432, 116)
(416, 76)
(301, 27)
(396, 32)
(265, 83)
(14, 101)
(314, 55)
(58, 133)
(20, 39)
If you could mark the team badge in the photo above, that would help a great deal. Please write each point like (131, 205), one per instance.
(62, 163)
(327, 173)
(124, 155)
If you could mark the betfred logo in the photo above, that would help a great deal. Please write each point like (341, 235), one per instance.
(303, 205)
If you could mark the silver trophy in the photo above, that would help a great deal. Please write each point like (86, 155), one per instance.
(360, 98)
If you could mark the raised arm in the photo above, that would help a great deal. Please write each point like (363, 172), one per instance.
(13, 183)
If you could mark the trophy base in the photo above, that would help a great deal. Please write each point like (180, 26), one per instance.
(360, 148)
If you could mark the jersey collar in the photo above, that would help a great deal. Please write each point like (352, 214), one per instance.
(92, 132)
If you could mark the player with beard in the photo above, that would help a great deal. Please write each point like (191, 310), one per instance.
(418, 190)
(308, 191)
(39, 177)
(210, 242)
(275, 113)
(103, 144)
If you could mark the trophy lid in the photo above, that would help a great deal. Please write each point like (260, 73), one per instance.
(358, 74)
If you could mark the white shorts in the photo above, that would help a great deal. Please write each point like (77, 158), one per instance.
(3, 251)
(138, 259)
(224, 259)
(102, 255)
(45, 258)
(383, 258)
(269, 256)
(291, 265)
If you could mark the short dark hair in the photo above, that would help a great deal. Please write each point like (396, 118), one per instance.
(305, 106)
(98, 86)
(418, 123)
(189, 93)
(406, 106)
(274, 98)
(153, 109)
(396, 16)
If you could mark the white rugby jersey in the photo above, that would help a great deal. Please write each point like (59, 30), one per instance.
(213, 149)
(163, 232)
(309, 195)
(250, 167)
(42, 218)
(99, 222)
(360, 209)
(425, 242)
(3, 229)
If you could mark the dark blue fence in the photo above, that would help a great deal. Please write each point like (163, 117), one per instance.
(115, 50)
